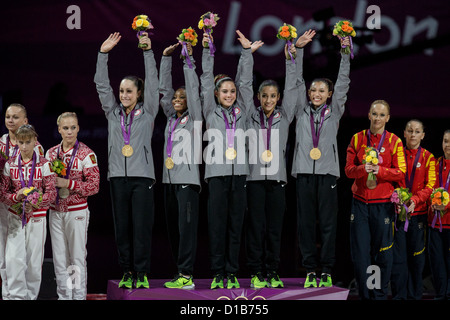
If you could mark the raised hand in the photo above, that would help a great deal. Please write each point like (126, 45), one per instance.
(111, 42)
(205, 40)
(170, 49)
(345, 41)
(305, 38)
(144, 39)
(291, 49)
(246, 44)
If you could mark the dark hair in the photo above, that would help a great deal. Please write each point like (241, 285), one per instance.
(415, 120)
(139, 83)
(327, 81)
(269, 83)
(221, 78)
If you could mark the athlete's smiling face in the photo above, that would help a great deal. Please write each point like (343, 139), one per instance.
(268, 97)
(226, 94)
(319, 93)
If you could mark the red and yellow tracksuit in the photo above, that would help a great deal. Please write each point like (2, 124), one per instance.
(392, 168)
(372, 215)
(439, 238)
(409, 246)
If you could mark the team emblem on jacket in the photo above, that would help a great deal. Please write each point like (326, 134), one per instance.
(184, 120)
(137, 112)
(93, 159)
(277, 115)
(237, 110)
(327, 111)
(418, 165)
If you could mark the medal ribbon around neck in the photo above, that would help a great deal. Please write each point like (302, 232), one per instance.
(441, 164)
(16, 148)
(169, 146)
(316, 135)
(380, 145)
(126, 135)
(268, 131)
(230, 130)
(69, 167)
(409, 179)
(23, 185)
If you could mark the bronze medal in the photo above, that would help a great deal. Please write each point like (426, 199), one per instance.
(127, 150)
(230, 153)
(63, 193)
(315, 154)
(267, 156)
(169, 163)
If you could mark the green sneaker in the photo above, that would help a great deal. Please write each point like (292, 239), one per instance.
(274, 281)
(232, 282)
(127, 281)
(325, 280)
(180, 282)
(310, 280)
(217, 282)
(258, 281)
(141, 281)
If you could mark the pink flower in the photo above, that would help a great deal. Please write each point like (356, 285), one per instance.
(395, 198)
(210, 22)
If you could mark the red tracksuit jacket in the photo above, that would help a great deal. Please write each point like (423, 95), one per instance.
(424, 178)
(392, 169)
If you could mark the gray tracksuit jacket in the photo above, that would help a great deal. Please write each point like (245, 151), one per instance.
(283, 116)
(187, 135)
(216, 163)
(140, 164)
(328, 163)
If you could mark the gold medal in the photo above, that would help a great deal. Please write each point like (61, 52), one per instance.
(315, 154)
(127, 150)
(169, 163)
(63, 193)
(230, 153)
(267, 156)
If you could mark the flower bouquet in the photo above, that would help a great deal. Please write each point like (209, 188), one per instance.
(33, 196)
(400, 197)
(187, 35)
(287, 32)
(439, 196)
(206, 23)
(342, 29)
(58, 167)
(371, 156)
(140, 24)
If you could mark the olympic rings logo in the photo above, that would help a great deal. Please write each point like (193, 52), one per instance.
(242, 298)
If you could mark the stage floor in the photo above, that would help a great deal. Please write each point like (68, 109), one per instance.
(293, 290)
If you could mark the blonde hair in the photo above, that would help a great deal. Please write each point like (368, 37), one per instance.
(20, 106)
(384, 103)
(66, 115)
(25, 132)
